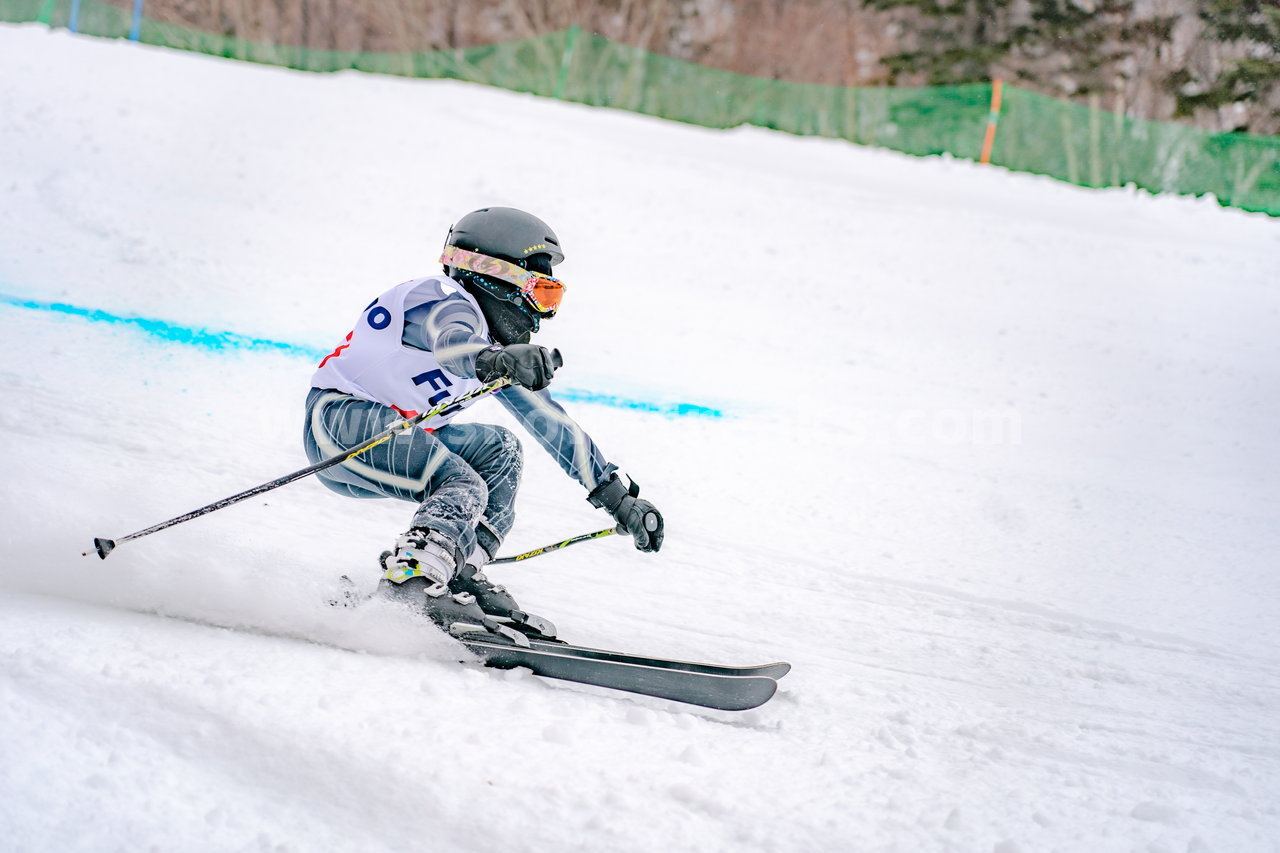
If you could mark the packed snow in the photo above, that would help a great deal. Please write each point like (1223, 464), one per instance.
(991, 459)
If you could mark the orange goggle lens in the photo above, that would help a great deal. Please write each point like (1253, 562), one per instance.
(543, 292)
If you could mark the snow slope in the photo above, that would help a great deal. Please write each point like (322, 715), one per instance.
(992, 460)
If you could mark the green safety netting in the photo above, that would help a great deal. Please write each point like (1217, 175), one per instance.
(1039, 134)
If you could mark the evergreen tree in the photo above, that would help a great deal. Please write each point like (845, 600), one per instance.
(1252, 27)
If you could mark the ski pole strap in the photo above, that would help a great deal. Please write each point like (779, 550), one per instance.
(555, 546)
(106, 546)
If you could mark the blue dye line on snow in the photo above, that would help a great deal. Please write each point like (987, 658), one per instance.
(225, 341)
(578, 395)
(203, 338)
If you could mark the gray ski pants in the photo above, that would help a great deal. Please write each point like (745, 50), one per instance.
(463, 477)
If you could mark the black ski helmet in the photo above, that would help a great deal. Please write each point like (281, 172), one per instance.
(507, 233)
(513, 235)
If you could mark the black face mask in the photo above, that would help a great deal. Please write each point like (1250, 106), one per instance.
(509, 322)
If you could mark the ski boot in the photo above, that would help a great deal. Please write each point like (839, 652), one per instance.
(418, 573)
(495, 601)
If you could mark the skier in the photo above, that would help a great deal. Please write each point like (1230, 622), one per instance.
(430, 340)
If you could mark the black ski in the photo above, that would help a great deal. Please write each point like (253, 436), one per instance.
(768, 670)
(730, 688)
(656, 677)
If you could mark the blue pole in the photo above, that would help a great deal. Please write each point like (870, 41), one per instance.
(137, 20)
(75, 15)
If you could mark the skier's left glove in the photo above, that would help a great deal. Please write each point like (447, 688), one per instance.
(528, 365)
(634, 514)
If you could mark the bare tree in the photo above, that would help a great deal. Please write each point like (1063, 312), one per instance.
(1214, 61)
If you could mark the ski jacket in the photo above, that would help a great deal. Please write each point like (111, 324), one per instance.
(416, 345)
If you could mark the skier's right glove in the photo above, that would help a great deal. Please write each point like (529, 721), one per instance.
(634, 514)
(528, 365)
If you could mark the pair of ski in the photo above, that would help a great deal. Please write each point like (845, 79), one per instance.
(727, 688)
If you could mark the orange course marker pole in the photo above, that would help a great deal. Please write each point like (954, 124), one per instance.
(993, 118)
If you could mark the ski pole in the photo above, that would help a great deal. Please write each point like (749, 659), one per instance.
(546, 549)
(106, 546)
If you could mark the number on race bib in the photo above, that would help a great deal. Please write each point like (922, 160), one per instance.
(379, 318)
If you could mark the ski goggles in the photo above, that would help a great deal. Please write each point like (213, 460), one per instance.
(541, 291)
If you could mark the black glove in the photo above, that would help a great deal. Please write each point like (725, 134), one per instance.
(524, 364)
(634, 515)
